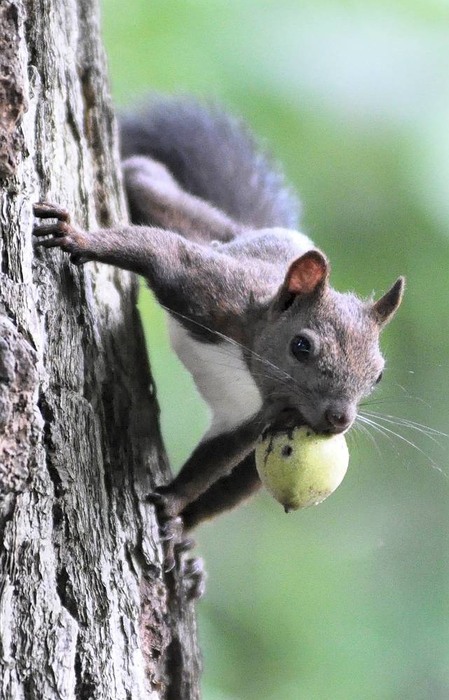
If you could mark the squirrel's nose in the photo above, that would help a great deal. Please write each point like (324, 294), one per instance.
(338, 420)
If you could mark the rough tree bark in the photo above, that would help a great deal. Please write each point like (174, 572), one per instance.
(86, 610)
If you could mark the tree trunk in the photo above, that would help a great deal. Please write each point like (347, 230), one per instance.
(86, 610)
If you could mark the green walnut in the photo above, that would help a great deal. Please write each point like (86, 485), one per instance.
(300, 468)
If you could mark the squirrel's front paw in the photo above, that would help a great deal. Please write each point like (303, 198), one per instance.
(167, 502)
(60, 234)
(171, 532)
(191, 569)
(175, 544)
(171, 528)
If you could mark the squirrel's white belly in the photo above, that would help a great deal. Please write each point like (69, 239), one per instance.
(221, 376)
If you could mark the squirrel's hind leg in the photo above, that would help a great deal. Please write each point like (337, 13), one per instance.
(156, 199)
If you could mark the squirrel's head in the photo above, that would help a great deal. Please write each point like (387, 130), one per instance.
(322, 347)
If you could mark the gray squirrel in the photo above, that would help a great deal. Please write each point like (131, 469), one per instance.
(251, 312)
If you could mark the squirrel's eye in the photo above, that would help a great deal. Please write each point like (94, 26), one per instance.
(379, 378)
(301, 347)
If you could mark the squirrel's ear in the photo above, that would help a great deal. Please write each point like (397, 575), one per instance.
(385, 308)
(307, 273)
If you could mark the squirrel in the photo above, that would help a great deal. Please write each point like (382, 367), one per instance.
(252, 314)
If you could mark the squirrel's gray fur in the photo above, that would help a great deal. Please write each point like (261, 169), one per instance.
(216, 246)
(214, 156)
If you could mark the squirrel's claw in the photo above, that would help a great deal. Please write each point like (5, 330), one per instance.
(171, 532)
(194, 577)
(44, 210)
(174, 543)
(61, 234)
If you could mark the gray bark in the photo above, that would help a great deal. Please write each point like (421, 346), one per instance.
(86, 610)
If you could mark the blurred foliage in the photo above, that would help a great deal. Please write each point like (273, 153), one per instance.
(349, 600)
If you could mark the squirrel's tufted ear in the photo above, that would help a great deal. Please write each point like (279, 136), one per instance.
(307, 273)
(385, 308)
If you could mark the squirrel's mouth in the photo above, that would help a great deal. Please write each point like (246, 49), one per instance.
(286, 419)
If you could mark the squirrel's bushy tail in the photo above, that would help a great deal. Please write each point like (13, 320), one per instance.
(214, 156)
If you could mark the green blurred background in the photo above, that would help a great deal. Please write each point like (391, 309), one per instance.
(349, 600)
